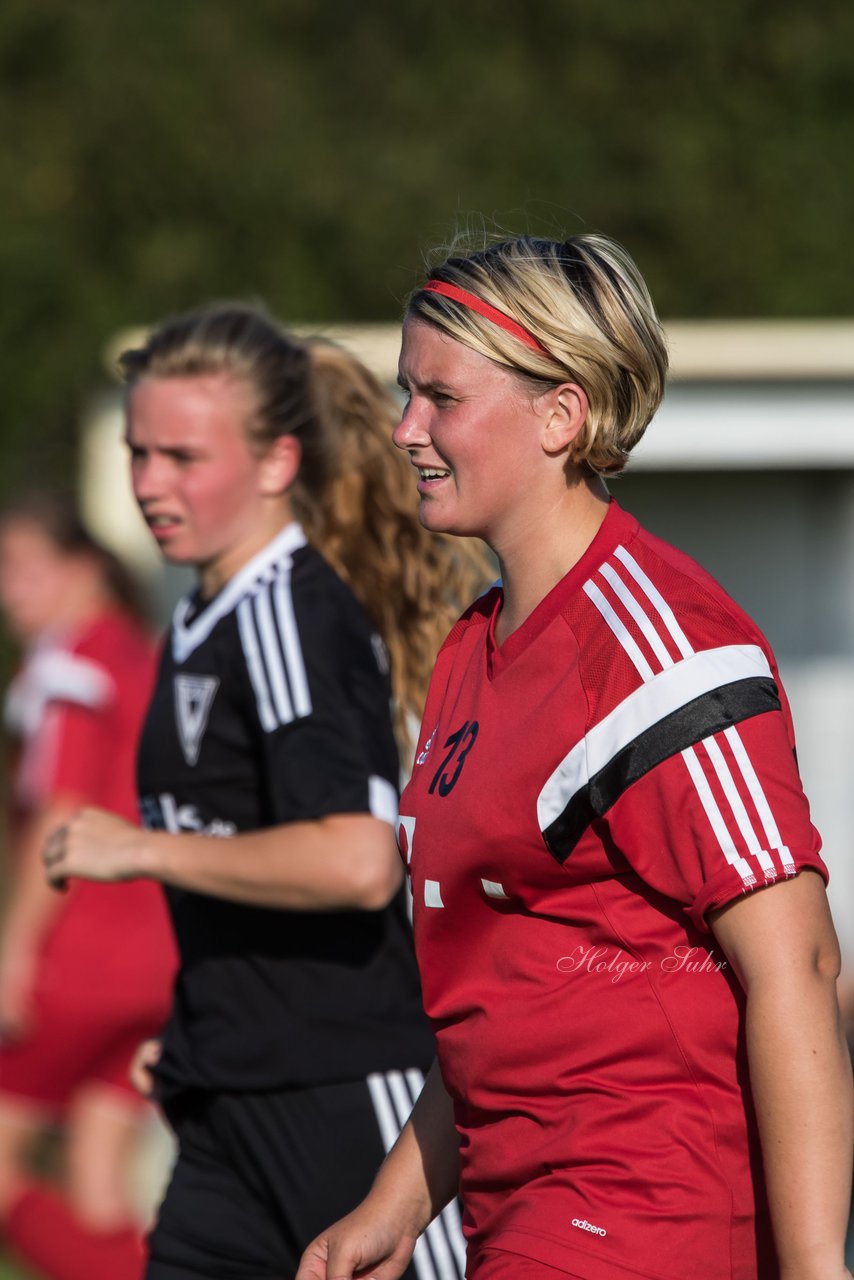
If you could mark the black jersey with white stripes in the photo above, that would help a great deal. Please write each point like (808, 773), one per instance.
(272, 705)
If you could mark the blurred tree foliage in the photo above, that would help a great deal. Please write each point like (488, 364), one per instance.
(307, 151)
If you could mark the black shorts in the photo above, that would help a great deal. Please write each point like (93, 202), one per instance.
(258, 1176)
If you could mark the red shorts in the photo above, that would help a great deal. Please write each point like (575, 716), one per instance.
(68, 1049)
(498, 1264)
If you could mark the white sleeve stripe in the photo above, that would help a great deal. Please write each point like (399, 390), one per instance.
(655, 598)
(272, 656)
(623, 593)
(651, 702)
(722, 768)
(68, 677)
(736, 803)
(291, 643)
(763, 808)
(641, 665)
(716, 819)
(382, 799)
(249, 641)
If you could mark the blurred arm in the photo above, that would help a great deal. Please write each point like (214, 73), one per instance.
(340, 862)
(30, 911)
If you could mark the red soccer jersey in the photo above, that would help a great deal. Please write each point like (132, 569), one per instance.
(582, 796)
(78, 704)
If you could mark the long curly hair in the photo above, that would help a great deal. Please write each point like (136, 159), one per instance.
(412, 583)
(355, 492)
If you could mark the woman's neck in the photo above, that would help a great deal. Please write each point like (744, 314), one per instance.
(81, 608)
(217, 572)
(535, 562)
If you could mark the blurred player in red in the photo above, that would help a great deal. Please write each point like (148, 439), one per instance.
(85, 975)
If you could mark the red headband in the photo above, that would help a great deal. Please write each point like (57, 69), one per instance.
(489, 312)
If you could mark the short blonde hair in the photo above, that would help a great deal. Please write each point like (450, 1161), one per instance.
(585, 302)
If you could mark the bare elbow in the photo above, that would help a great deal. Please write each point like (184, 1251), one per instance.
(375, 886)
(827, 958)
(369, 871)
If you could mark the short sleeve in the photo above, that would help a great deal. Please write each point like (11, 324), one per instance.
(70, 748)
(322, 701)
(686, 770)
(718, 818)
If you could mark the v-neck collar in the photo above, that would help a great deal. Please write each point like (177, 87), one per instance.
(617, 526)
(188, 634)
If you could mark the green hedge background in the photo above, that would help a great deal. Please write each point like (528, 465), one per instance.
(157, 154)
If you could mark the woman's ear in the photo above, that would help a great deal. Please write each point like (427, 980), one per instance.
(566, 409)
(279, 466)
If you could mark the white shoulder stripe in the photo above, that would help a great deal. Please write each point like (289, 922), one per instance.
(252, 653)
(644, 707)
(642, 667)
(273, 656)
(286, 617)
(623, 593)
(656, 599)
(722, 769)
(270, 638)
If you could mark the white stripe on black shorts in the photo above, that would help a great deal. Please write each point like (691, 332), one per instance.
(258, 1176)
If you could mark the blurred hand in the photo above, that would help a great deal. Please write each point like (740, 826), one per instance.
(92, 845)
(146, 1057)
(17, 980)
(364, 1244)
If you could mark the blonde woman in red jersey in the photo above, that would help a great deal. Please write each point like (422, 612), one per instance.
(620, 913)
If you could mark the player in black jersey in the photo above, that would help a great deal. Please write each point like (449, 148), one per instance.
(268, 785)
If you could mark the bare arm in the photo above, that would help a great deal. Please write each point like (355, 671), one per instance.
(783, 948)
(417, 1179)
(30, 911)
(341, 862)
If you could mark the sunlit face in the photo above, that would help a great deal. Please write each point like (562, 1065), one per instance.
(33, 578)
(198, 482)
(471, 429)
